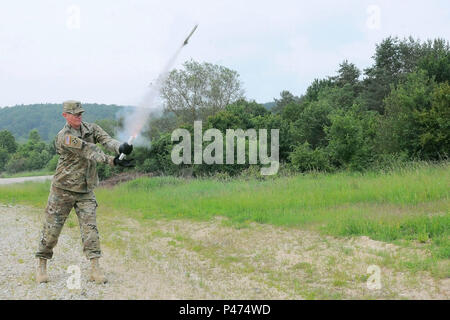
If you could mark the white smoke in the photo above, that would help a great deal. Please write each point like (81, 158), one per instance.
(135, 122)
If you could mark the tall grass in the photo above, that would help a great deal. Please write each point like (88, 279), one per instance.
(28, 193)
(289, 200)
(409, 203)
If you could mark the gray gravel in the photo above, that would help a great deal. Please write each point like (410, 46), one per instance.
(19, 235)
(19, 238)
(155, 266)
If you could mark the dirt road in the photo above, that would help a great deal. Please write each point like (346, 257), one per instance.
(205, 260)
(23, 179)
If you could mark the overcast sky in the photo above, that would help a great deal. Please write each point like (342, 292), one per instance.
(108, 51)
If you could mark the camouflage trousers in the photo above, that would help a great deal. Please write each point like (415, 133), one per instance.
(60, 203)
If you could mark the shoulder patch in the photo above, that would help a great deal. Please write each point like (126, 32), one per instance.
(72, 141)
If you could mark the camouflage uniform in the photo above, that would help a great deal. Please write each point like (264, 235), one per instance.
(73, 183)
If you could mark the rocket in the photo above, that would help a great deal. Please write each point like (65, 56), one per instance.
(190, 34)
(130, 140)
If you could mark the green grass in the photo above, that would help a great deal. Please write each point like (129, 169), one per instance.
(28, 193)
(411, 203)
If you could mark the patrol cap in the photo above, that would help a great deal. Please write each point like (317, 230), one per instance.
(72, 106)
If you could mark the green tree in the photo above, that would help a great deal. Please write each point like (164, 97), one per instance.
(408, 110)
(34, 136)
(293, 110)
(236, 115)
(4, 156)
(286, 99)
(316, 87)
(158, 158)
(348, 73)
(311, 123)
(34, 161)
(275, 121)
(436, 61)
(200, 90)
(52, 163)
(395, 59)
(434, 124)
(16, 163)
(32, 155)
(350, 135)
(303, 158)
(7, 141)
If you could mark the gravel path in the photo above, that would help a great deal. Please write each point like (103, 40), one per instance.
(182, 259)
(19, 238)
(160, 277)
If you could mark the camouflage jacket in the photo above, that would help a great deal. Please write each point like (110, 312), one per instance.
(78, 156)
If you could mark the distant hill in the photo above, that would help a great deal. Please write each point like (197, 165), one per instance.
(47, 118)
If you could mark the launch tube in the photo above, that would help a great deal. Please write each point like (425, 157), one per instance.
(130, 140)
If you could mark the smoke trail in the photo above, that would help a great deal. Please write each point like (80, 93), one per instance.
(135, 122)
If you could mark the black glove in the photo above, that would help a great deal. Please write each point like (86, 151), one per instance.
(125, 148)
(124, 162)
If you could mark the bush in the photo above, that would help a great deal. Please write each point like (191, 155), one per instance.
(221, 176)
(15, 164)
(388, 162)
(303, 158)
(149, 165)
(52, 163)
(104, 171)
(411, 123)
(287, 170)
(159, 156)
(7, 141)
(4, 156)
(351, 138)
(310, 127)
(252, 172)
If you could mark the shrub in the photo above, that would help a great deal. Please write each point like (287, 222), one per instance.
(4, 156)
(303, 158)
(104, 171)
(52, 163)
(15, 164)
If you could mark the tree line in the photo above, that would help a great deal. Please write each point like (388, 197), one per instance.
(46, 118)
(394, 111)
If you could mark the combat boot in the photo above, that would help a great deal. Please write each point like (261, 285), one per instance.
(96, 272)
(41, 271)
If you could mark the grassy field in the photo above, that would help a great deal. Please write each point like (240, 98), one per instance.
(408, 206)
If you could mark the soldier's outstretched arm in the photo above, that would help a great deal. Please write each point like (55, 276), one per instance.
(87, 150)
(102, 137)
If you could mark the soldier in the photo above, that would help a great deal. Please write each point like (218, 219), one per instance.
(72, 186)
